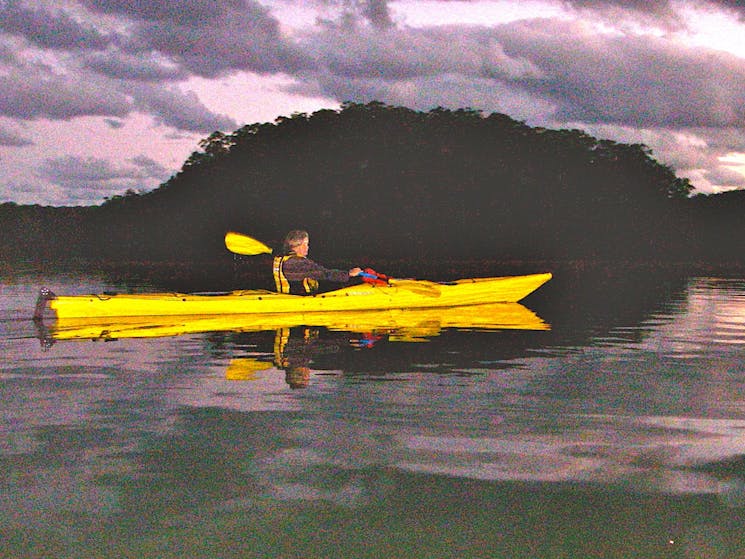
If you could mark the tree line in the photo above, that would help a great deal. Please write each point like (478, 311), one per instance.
(385, 181)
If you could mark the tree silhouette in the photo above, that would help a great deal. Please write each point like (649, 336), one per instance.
(379, 181)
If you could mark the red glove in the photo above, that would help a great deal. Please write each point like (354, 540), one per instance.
(372, 277)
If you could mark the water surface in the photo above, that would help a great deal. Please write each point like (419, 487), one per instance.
(618, 432)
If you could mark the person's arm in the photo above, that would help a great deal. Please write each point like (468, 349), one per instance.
(296, 269)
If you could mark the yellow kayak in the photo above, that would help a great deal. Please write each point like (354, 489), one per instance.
(399, 294)
(398, 324)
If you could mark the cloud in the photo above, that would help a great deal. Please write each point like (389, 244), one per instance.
(660, 12)
(377, 13)
(33, 92)
(7, 51)
(49, 28)
(10, 138)
(640, 80)
(726, 140)
(735, 6)
(32, 193)
(85, 69)
(206, 38)
(37, 91)
(448, 90)
(149, 167)
(360, 52)
(184, 11)
(93, 170)
(72, 180)
(725, 174)
(587, 76)
(114, 123)
(183, 111)
(91, 177)
(648, 12)
(144, 67)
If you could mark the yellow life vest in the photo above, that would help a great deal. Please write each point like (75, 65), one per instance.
(283, 285)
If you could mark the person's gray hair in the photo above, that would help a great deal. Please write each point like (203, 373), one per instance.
(294, 239)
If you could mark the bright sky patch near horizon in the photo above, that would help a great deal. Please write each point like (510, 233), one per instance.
(98, 97)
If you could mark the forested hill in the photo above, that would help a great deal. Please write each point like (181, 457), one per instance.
(385, 182)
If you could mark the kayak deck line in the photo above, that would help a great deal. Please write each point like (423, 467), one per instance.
(400, 294)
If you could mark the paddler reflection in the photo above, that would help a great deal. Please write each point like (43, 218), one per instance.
(294, 351)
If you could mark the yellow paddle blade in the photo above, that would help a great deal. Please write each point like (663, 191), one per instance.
(246, 368)
(243, 244)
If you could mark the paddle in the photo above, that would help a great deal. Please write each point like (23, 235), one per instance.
(248, 246)
(243, 244)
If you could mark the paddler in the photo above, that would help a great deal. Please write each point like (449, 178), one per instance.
(295, 273)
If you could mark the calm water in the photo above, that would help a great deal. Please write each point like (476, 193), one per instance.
(619, 432)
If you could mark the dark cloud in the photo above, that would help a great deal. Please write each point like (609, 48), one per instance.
(89, 171)
(734, 4)
(149, 167)
(238, 43)
(377, 13)
(654, 6)
(202, 37)
(631, 80)
(184, 111)
(724, 174)
(145, 67)
(663, 13)
(112, 76)
(651, 10)
(206, 38)
(187, 12)
(94, 174)
(11, 138)
(114, 123)
(7, 52)
(86, 180)
(587, 76)
(30, 93)
(363, 53)
(49, 29)
(726, 140)
(402, 54)
(58, 97)
(374, 12)
(737, 7)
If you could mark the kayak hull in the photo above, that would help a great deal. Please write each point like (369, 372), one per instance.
(401, 294)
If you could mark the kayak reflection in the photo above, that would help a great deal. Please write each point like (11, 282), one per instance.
(300, 340)
(403, 325)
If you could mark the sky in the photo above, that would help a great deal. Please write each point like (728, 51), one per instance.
(98, 97)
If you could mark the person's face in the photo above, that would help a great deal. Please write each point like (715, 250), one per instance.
(302, 248)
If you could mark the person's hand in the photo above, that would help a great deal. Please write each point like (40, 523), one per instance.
(355, 272)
